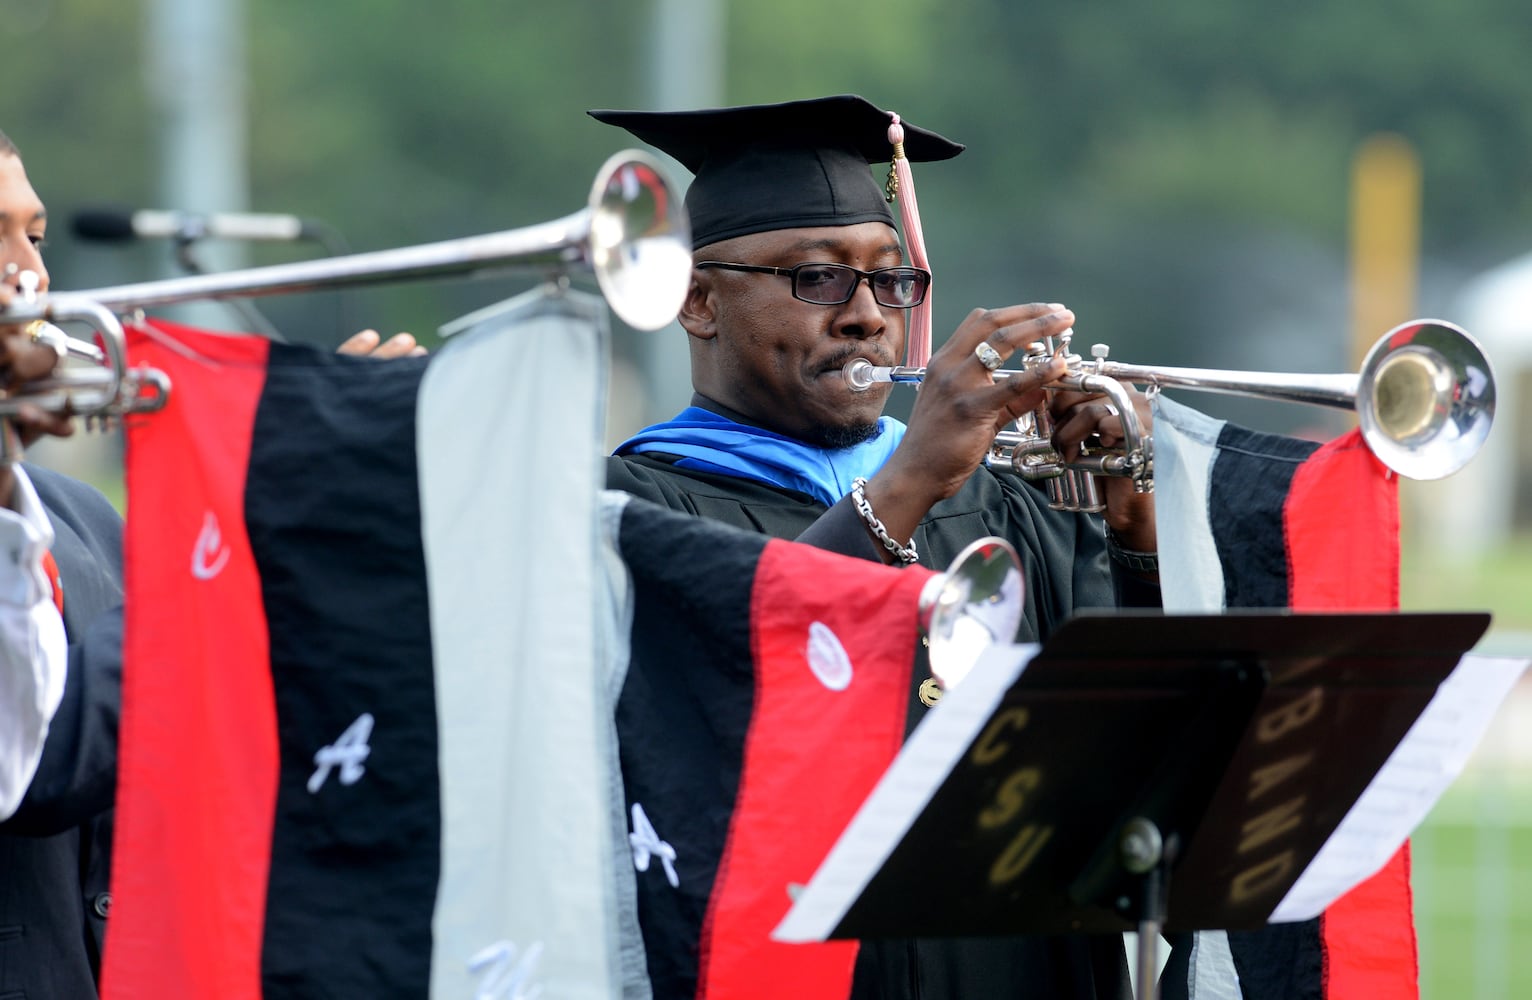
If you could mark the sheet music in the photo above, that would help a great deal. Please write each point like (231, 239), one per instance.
(1428, 759)
(929, 755)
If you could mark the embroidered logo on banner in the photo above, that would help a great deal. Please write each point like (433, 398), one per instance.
(648, 845)
(828, 658)
(209, 555)
(506, 977)
(347, 753)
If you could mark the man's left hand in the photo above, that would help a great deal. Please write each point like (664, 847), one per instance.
(1080, 416)
(368, 343)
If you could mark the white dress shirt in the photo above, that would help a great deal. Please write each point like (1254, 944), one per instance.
(34, 655)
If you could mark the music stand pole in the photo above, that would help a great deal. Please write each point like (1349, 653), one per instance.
(1144, 853)
(1131, 873)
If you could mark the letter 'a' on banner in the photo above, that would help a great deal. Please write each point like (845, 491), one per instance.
(364, 749)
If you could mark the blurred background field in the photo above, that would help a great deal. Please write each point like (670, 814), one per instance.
(1472, 858)
(1472, 866)
(1190, 177)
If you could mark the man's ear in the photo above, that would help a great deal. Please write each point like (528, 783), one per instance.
(698, 316)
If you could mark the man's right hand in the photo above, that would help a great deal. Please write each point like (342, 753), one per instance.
(23, 360)
(960, 408)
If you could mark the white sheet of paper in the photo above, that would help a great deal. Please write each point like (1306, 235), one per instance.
(1428, 759)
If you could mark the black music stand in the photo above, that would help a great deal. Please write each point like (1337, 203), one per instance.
(1223, 750)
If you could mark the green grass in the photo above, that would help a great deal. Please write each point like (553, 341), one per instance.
(1500, 582)
(1473, 890)
(1472, 857)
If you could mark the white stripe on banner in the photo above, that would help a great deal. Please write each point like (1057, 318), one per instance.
(1191, 576)
(510, 427)
(1212, 968)
(615, 628)
(1191, 581)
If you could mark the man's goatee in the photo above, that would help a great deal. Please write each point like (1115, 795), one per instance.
(843, 437)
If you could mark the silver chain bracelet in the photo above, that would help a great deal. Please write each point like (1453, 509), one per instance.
(904, 553)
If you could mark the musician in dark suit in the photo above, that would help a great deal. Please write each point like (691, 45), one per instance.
(53, 848)
(55, 843)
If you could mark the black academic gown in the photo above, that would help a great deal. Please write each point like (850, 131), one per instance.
(1065, 568)
(54, 850)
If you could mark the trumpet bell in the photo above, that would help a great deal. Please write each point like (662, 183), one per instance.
(975, 604)
(1425, 399)
(639, 244)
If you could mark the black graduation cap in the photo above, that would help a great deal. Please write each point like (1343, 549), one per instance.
(781, 166)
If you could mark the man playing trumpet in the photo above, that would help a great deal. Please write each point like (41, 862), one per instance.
(798, 270)
(54, 852)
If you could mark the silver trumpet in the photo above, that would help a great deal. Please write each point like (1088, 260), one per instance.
(103, 387)
(1424, 397)
(633, 235)
(975, 604)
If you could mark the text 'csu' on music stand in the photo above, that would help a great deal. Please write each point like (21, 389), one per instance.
(1263, 762)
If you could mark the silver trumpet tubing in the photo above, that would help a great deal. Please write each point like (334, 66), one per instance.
(103, 388)
(100, 384)
(1424, 398)
(633, 235)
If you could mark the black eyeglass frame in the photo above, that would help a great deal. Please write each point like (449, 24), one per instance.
(861, 276)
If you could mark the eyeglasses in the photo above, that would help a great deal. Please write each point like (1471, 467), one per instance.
(833, 284)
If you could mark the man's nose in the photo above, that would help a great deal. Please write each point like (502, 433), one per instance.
(862, 316)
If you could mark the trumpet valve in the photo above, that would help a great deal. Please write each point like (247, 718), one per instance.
(27, 282)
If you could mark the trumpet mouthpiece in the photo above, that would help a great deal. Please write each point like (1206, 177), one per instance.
(858, 374)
